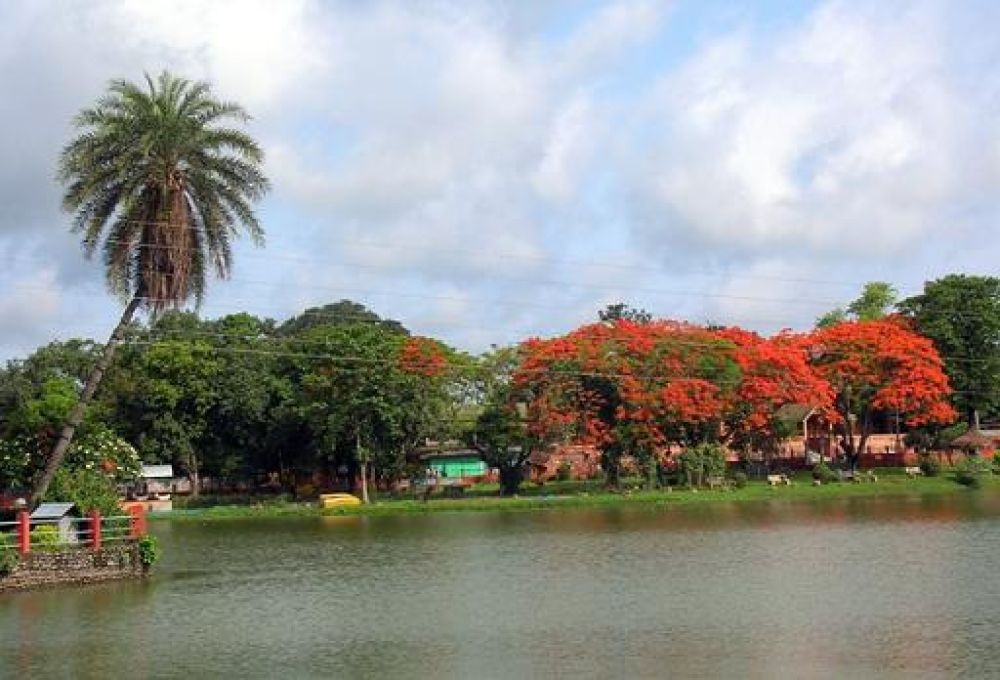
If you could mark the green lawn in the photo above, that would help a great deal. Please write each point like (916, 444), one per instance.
(590, 494)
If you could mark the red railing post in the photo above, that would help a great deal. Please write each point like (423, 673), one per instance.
(95, 530)
(23, 532)
(138, 520)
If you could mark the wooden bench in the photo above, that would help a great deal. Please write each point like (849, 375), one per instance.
(778, 480)
(913, 471)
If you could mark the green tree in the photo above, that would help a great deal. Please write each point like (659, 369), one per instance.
(366, 396)
(500, 433)
(344, 312)
(36, 396)
(875, 302)
(961, 314)
(165, 398)
(160, 180)
(620, 311)
(832, 318)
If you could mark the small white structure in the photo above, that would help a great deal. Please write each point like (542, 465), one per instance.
(156, 481)
(60, 515)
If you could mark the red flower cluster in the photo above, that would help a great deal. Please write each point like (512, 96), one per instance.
(423, 356)
(653, 384)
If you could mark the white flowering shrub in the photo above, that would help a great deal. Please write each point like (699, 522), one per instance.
(98, 449)
(103, 450)
(17, 456)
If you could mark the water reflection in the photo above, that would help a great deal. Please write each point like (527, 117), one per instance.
(855, 587)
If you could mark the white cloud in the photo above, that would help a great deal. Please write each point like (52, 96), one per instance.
(567, 151)
(460, 136)
(28, 305)
(459, 160)
(260, 51)
(847, 129)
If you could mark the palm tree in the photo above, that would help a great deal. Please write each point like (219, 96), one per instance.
(161, 181)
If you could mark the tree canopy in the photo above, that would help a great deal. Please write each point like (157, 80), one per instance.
(961, 314)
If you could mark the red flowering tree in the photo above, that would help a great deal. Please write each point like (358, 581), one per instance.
(774, 372)
(879, 366)
(637, 388)
(629, 388)
(423, 356)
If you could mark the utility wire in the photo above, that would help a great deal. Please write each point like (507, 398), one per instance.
(396, 362)
(458, 251)
(181, 333)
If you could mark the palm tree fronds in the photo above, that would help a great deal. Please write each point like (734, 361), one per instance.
(159, 182)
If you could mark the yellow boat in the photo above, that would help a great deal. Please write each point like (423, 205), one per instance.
(335, 500)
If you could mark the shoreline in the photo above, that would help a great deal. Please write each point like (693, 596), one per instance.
(888, 486)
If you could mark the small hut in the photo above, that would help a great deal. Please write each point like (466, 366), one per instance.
(974, 441)
(59, 515)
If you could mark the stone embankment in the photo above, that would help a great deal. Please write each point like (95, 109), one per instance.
(74, 566)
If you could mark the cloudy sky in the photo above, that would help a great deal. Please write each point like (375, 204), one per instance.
(484, 171)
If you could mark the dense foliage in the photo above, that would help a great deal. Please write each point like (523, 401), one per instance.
(338, 390)
(638, 389)
(961, 314)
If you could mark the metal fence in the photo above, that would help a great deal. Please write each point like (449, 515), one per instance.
(27, 534)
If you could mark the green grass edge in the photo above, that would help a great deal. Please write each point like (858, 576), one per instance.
(755, 491)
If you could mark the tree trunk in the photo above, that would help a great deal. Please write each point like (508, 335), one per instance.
(510, 479)
(195, 477)
(611, 462)
(652, 472)
(80, 409)
(364, 470)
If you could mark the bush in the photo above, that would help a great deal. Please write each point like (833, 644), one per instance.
(149, 550)
(930, 466)
(88, 489)
(968, 479)
(698, 463)
(739, 479)
(45, 538)
(823, 473)
(564, 471)
(9, 559)
(970, 471)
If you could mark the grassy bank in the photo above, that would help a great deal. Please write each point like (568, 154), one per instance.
(588, 494)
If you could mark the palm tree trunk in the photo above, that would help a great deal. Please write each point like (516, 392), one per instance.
(78, 412)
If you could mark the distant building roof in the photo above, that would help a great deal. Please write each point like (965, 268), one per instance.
(794, 412)
(973, 439)
(465, 452)
(157, 472)
(52, 510)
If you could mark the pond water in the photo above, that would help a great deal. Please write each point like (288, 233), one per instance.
(857, 588)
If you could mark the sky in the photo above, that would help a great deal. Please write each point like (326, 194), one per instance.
(488, 171)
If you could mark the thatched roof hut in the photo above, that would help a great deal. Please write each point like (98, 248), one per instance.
(973, 439)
